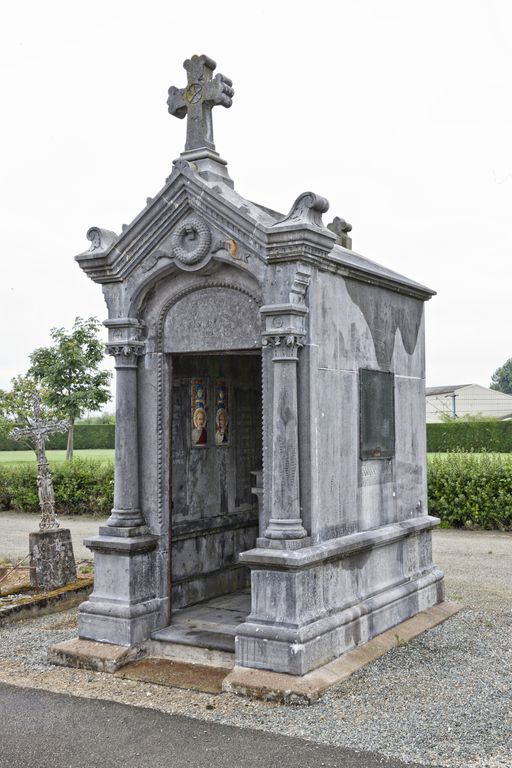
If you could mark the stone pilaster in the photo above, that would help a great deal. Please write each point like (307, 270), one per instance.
(284, 334)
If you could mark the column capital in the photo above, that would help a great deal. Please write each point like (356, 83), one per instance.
(126, 353)
(285, 345)
(284, 329)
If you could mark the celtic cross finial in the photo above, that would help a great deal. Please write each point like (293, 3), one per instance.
(196, 101)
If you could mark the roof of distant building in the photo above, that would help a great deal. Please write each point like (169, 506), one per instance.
(447, 390)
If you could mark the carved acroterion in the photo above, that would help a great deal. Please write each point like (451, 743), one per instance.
(307, 209)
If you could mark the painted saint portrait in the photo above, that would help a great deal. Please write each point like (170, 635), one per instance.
(221, 427)
(221, 413)
(199, 407)
(199, 431)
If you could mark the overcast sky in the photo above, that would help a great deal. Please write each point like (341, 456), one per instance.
(399, 112)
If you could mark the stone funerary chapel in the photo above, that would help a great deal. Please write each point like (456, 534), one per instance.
(270, 478)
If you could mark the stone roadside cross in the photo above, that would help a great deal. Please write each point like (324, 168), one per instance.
(37, 432)
(196, 101)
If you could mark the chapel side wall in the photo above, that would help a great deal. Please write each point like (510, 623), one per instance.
(355, 325)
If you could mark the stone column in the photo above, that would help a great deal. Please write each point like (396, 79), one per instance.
(285, 335)
(126, 512)
(123, 608)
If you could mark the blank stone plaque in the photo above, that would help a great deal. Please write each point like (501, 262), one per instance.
(377, 414)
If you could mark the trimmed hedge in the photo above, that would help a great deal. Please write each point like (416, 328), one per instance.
(471, 491)
(81, 486)
(478, 436)
(86, 436)
(464, 490)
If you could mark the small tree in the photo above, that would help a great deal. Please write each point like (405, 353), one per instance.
(501, 380)
(69, 372)
(16, 404)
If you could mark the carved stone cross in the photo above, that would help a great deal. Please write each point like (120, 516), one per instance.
(197, 100)
(37, 432)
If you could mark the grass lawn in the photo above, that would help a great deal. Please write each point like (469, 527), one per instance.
(28, 457)
(505, 456)
(107, 454)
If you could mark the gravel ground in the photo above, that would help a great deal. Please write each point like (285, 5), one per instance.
(443, 699)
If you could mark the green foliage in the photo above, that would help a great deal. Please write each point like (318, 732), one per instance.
(501, 380)
(466, 490)
(17, 409)
(102, 418)
(480, 436)
(69, 370)
(86, 436)
(448, 418)
(82, 487)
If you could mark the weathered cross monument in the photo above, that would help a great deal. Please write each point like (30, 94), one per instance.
(251, 344)
(51, 550)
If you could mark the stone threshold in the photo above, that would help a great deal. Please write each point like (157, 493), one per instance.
(30, 606)
(245, 681)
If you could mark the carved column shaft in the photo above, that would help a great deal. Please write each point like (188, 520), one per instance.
(285, 521)
(284, 334)
(126, 512)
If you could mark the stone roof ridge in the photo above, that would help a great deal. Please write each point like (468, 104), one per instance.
(356, 262)
(222, 188)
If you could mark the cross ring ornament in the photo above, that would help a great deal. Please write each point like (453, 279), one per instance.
(193, 93)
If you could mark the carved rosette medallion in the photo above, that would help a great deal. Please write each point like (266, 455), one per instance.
(190, 243)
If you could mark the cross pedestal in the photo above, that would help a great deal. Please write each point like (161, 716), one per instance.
(51, 559)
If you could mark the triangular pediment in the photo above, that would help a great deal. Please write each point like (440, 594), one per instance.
(234, 224)
(238, 229)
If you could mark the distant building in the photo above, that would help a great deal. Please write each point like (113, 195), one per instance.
(464, 399)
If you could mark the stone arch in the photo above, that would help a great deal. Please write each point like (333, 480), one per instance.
(239, 297)
(198, 285)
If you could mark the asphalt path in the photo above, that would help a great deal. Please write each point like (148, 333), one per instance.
(16, 526)
(48, 730)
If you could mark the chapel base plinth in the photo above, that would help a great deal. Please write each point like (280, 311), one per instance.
(312, 605)
(124, 608)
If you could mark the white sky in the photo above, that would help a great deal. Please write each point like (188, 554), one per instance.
(398, 111)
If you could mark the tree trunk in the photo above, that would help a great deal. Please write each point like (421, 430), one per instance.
(69, 449)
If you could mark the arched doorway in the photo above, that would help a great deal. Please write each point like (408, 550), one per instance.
(211, 340)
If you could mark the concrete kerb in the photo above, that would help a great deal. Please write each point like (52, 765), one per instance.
(255, 683)
(60, 599)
